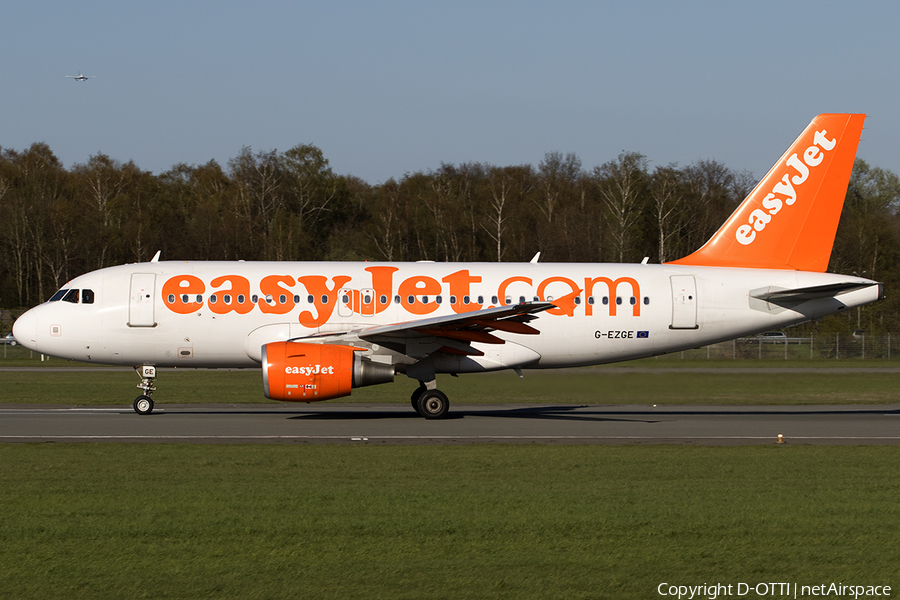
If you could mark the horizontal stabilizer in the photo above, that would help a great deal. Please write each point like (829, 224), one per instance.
(808, 293)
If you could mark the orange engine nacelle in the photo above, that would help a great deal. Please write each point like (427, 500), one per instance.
(299, 372)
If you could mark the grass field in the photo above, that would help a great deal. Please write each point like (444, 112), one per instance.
(500, 521)
(179, 521)
(600, 385)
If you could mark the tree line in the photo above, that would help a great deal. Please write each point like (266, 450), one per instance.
(57, 223)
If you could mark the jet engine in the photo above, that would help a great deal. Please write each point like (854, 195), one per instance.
(300, 372)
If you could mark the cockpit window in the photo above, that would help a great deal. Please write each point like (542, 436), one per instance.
(87, 296)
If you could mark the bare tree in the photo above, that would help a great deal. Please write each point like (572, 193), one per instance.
(556, 173)
(508, 187)
(258, 177)
(621, 184)
(666, 192)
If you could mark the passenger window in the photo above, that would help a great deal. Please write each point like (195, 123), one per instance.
(310, 299)
(383, 299)
(282, 299)
(466, 300)
(633, 301)
(396, 299)
(605, 299)
(212, 299)
(619, 300)
(171, 298)
(296, 299)
(87, 296)
(480, 299)
(453, 300)
(72, 297)
(240, 298)
(226, 298)
(646, 300)
(324, 299)
(577, 299)
(591, 300)
(494, 300)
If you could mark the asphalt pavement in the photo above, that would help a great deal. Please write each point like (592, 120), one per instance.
(337, 423)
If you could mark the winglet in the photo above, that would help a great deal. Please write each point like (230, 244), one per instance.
(565, 305)
(790, 218)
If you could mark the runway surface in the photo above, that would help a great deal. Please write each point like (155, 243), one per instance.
(398, 424)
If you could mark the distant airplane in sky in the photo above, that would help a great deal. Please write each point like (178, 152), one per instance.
(80, 77)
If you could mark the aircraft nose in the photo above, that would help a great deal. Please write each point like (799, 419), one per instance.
(25, 330)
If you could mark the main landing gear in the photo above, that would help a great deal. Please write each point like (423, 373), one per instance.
(430, 403)
(143, 404)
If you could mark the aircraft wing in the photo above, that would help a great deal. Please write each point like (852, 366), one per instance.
(472, 326)
(453, 334)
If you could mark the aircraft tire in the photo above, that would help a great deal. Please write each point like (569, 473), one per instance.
(143, 405)
(433, 404)
(414, 398)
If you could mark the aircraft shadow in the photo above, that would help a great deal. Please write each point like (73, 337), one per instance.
(565, 412)
(583, 413)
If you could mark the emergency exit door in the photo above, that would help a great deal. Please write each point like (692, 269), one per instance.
(684, 302)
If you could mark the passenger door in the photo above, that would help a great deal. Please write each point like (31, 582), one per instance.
(141, 305)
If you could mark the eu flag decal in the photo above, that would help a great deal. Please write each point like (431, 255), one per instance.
(643, 334)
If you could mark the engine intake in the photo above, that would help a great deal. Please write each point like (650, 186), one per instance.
(301, 372)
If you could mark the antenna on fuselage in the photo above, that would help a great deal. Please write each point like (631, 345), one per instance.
(535, 259)
(156, 256)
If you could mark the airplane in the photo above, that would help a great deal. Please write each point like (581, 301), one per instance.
(317, 330)
(80, 77)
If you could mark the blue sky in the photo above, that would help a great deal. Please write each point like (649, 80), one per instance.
(388, 88)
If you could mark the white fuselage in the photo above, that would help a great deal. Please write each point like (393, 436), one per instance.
(219, 314)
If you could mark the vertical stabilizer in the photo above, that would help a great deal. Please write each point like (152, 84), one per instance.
(790, 218)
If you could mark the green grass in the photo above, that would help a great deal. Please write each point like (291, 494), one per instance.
(187, 521)
(600, 385)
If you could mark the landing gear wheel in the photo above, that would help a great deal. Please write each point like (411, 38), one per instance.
(143, 405)
(414, 398)
(433, 404)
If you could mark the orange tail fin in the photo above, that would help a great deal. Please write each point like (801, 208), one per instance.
(790, 218)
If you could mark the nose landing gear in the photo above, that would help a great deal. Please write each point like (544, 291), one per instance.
(143, 404)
